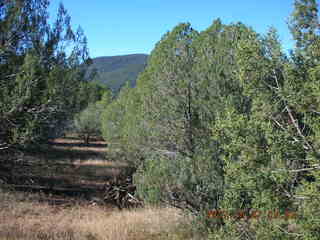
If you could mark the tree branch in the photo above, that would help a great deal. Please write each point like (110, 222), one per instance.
(297, 170)
(293, 120)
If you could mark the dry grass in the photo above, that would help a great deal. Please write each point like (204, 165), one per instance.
(28, 219)
(60, 165)
(69, 164)
(76, 144)
(99, 162)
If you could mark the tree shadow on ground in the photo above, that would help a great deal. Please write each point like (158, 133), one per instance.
(78, 144)
(66, 164)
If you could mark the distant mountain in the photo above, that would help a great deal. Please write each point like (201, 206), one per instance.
(115, 71)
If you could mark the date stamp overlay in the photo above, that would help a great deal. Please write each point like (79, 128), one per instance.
(253, 214)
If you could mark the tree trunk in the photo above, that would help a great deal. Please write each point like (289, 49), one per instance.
(87, 139)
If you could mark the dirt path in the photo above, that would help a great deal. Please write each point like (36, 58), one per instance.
(65, 168)
(65, 177)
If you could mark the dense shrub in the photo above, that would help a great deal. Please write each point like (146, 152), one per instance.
(224, 119)
(39, 81)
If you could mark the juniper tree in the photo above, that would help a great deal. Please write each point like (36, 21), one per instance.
(186, 84)
(88, 122)
(39, 80)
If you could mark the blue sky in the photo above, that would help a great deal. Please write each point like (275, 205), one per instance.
(134, 26)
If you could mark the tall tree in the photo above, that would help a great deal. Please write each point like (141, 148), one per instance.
(188, 80)
(39, 80)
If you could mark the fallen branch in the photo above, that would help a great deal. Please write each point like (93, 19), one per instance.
(121, 193)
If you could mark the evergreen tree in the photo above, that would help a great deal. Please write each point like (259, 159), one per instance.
(88, 122)
(187, 83)
(225, 120)
(39, 81)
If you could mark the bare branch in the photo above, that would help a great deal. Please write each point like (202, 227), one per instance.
(276, 79)
(306, 144)
(167, 152)
(294, 121)
(315, 167)
(314, 111)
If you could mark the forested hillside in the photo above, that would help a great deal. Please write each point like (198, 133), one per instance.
(116, 71)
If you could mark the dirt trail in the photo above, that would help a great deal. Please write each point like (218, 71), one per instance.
(66, 177)
(65, 168)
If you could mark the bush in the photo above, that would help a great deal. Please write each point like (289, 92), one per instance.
(88, 123)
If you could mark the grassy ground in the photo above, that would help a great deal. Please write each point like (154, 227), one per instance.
(67, 164)
(64, 163)
(22, 218)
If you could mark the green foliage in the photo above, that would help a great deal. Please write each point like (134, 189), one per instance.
(122, 126)
(224, 119)
(88, 122)
(106, 99)
(304, 27)
(90, 93)
(39, 81)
